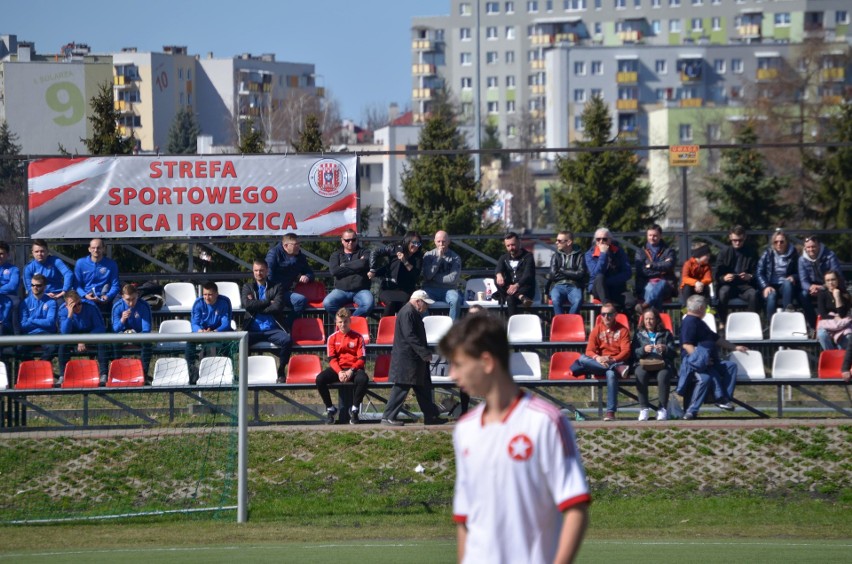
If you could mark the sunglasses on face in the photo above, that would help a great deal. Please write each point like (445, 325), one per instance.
(601, 239)
(350, 240)
(416, 244)
(608, 314)
(562, 240)
(37, 285)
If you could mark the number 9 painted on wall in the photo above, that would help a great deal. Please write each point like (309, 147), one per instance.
(66, 99)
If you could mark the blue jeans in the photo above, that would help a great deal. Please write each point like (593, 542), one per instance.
(297, 301)
(336, 299)
(592, 366)
(655, 293)
(808, 305)
(787, 290)
(827, 343)
(560, 293)
(452, 297)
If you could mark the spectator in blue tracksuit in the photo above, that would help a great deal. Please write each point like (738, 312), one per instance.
(132, 315)
(609, 270)
(97, 276)
(59, 277)
(287, 267)
(815, 261)
(10, 282)
(210, 313)
(37, 316)
(78, 317)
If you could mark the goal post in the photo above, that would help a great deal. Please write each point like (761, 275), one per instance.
(80, 453)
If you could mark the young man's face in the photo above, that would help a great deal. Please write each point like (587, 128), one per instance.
(343, 324)
(37, 287)
(210, 296)
(470, 373)
(512, 246)
(703, 259)
(75, 304)
(260, 272)
(96, 249)
(811, 248)
(40, 253)
(292, 247)
(653, 237)
(563, 242)
(608, 315)
(130, 299)
(737, 241)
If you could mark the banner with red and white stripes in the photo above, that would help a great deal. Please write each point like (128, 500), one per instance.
(212, 196)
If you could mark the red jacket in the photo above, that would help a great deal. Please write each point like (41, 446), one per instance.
(345, 351)
(613, 342)
(693, 272)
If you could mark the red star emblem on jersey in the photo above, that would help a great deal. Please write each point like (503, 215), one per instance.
(520, 448)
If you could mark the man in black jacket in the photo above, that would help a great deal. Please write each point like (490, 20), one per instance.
(735, 269)
(567, 274)
(410, 359)
(515, 275)
(350, 267)
(264, 303)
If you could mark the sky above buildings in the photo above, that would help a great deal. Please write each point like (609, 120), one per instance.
(361, 49)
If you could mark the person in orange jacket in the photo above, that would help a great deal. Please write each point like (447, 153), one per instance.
(697, 274)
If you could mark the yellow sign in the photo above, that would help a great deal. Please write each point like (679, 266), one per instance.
(683, 155)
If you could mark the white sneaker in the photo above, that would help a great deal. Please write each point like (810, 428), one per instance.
(662, 414)
(643, 414)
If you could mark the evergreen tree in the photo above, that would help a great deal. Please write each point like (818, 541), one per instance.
(251, 142)
(13, 192)
(744, 193)
(492, 142)
(183, 134)
(440, 189)
(310, 137)
(106, 139)
(602, 188)
(10, 168)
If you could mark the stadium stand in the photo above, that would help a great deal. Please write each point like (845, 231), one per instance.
(215, 371)
(386, 329)
(170, 372)
(34, 374)
(830, 363)
(231, 291)
(524, 328)
(525, 365)
(790, 363)
(381, 371)
(262, 369)
(560, 365)
(303, 369)
(125, 373)
(179, 297)
(436, 327)
(568, 328)
(788, 326)
(307, 332)
(314, 291)
(749, 365)
(743, 326)
(81, 373)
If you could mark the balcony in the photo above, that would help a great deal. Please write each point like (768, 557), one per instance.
(422, 45)
(767, 74)
(832, 100)
(748, 30)
(628, 135)
(419, 118)
(537, 64)
(537, 89)
(539, 139)
(833, 74)
(566, 37)
(124, 81)
(542, 40)
(627, 105)
(422, 93)
(627, 77)
(123, 106)
(630, 36)
(423, 70)
(691, 102)
(536, 114)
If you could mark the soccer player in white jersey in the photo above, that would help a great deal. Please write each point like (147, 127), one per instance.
(521, 493)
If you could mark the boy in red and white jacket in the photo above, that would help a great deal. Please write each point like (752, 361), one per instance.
(346, 360)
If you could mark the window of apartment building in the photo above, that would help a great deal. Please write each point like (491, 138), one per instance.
(530, 30)
(510, 32)
(491, 32)
(464, 33)
(464, 9)
(714, 132)
(598, 4)
(620, 4)
(510, 81)
(492, 8)
(736, 92)
(687, 93)
(574, 5)
(674, 3)
(579, 68)
(466, 83)
(493, 107)
(532, 6)
(716, 23)
(674, 26)
(656, 3)
(465, 59)
(715, 2)
(579, 95)
(719, 66)
(782, 19)
(533, 104)
(637, 4)
(510, 7)
(181, 98)
(841, 17)
(737, 66)
(492, 58)
(578, 123)
(533, 55)
(697, 24)
(189, 74)
(439, 34)
(510, 107)
(548, 5)
(596, 93)
(510, 57)
(597, 67)
(180, 73)
(598, 28)
(511, 130)
(491, 82)
(685, 131)
(532, 80)
(697, 2)
(661, 66)
(467, 109)
(660, 94)
(656, 27)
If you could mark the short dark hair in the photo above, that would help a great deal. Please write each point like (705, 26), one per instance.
(40, 243)
(129, 290)
(655, 227)
(210, 286)
(4, 246)
(476, 334)
(40, 278)
(738, 230)
(259, 260)
(510, 235)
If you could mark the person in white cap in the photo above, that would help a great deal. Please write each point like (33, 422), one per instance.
(410, 359)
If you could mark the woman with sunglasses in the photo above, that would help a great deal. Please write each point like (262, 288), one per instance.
(401, 273)
(778, 273)
(834, 305)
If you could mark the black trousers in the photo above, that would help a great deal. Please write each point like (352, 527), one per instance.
(328, 377)
(424, 399)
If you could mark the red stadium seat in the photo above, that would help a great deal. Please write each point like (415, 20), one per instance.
(386, 327)
(381, 372)
(560, 366)
(125, 373)
(81, 373)
(568, 327)
(34, 374)
(303, 369)
(667, 321)
(359, 325)
(308, 331)
(314, 291)
(830, 363)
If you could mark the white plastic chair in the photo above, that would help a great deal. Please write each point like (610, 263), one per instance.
(215, 371)
(709, 320)
(791, 363)
(231, 291)
(170, 372)
(4, 376)
(525, 328)
(475, 285)
(173, 326)
(525, 365)
(179, 296)
(788, 326)
(749, 365)
(743, 326)
(436, 327)
(262, 369)
(439, 369)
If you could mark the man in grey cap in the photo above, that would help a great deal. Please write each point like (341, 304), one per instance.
(410, 359)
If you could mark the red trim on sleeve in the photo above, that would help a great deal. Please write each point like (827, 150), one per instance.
(460, 519)
(576, 500)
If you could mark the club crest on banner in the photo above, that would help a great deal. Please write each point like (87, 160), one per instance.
(328, 178)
